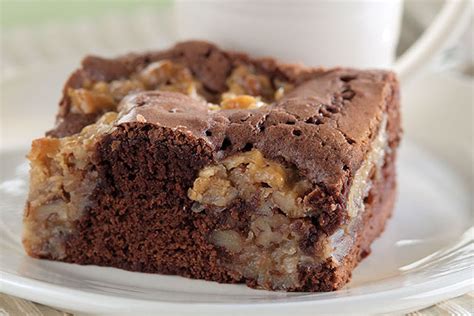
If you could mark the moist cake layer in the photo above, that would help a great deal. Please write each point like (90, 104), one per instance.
(212, 165)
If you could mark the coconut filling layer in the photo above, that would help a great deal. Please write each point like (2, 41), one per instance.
(61, 181)
(270, 251)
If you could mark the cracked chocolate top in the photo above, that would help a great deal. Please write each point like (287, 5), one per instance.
(323, 126)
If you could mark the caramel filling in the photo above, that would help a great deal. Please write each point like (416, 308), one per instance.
(103, 96)
(243, 175)
(247, 89)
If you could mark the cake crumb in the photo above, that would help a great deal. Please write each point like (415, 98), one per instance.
(140, 118)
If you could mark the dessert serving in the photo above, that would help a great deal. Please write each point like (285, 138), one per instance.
(212, 165)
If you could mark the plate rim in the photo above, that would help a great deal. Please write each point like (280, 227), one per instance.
(424, 293)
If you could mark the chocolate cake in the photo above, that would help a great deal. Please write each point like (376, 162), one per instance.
(212, 165)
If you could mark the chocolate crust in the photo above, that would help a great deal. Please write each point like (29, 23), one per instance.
(208, 63)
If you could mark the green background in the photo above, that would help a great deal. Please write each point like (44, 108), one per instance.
(34, 12)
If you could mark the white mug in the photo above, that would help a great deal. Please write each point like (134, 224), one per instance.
(359, 33)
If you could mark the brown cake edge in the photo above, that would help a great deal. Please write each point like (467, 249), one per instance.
(330, 277)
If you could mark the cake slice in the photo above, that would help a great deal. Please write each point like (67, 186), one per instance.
(209, 164)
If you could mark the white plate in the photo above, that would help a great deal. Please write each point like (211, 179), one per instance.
(424, 256)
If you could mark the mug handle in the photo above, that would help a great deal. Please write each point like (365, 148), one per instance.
(447, 23)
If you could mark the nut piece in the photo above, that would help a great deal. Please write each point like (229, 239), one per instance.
(282, 88)
(140, 118)
(168, 76)
(228, 239)
(87, 102)
(270, 229)
(246, 80)
(119, 89)
(212, 187)
(241, 102)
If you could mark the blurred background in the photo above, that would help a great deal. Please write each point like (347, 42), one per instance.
(51, 36)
